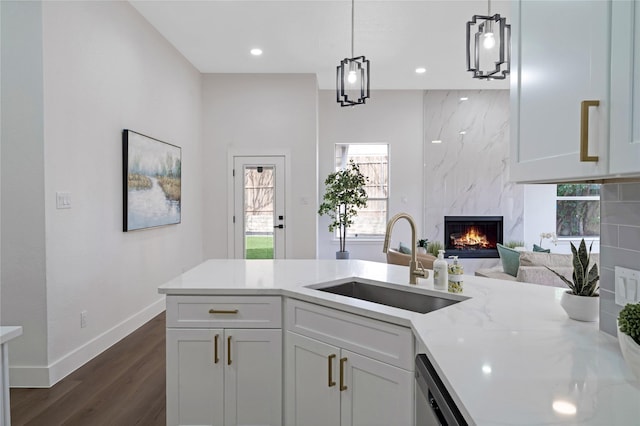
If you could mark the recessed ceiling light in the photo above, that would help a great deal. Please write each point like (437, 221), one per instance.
(256, 52)
(438, 141)
(463, 132)
(464, 99)
(421, 70)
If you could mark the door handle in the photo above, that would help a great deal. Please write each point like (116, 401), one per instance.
(584, 131)
(215, 349)
(330, 360)
(223, 311)
(342, 385)
(229, 350)
(281, 226)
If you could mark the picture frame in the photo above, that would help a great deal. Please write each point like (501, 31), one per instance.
(152, 182)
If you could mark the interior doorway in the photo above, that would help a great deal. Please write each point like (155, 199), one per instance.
(259, 218)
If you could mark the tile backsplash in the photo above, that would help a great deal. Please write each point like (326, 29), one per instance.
(619, 243)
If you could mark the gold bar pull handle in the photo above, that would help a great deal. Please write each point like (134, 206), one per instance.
(215, 349)
(223, 311)
(342, 385)
(330, 360)
(229, 350)
(584, 131)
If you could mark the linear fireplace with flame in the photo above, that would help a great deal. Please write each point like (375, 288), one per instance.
(472, 236)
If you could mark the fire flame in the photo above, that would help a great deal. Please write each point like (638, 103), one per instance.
(472, 239)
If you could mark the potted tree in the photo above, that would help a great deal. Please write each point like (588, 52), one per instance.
(344, 193)
(582, 301)
(629, 336)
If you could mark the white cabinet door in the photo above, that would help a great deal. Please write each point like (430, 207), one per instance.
(194, 377)
(311, 382)
(625, 87)
(376, 394)
(560, 58)
(253, 377)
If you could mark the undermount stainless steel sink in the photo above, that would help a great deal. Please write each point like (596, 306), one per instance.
(408, 300)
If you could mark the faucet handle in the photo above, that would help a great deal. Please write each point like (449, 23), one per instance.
(420, 271)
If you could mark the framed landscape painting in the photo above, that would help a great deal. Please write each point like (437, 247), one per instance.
(152, 172)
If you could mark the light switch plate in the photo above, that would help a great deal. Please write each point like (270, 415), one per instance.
(63, 200)
(627, 286)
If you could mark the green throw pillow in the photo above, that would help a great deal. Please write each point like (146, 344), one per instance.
(404, 249)
(510, 260)
(540, 249)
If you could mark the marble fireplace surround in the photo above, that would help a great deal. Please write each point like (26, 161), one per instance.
(467, 172)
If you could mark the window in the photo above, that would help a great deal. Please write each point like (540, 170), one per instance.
(373, 160)
(578, 210)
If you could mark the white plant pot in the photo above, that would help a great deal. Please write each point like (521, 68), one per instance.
(630, 352)
(581, 308)
(421, 250)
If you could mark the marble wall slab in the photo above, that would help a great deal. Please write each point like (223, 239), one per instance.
(468, 172)
(619, 244)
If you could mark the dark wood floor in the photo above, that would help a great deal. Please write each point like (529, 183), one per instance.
(123, 386)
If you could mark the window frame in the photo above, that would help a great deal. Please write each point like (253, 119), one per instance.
(574, 198)
(369, 237)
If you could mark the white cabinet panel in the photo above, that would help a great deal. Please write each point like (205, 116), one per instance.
(560, 58)
(625, 87)
(253, 377)
(311, 382)
(377, 394)
(194, 378)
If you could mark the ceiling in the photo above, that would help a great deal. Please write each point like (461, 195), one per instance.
(305, 36)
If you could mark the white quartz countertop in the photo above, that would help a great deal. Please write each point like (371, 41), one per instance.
(508, 353)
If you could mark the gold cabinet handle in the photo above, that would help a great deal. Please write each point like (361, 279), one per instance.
(342, 385)
(215, 349)
(330, 360)
(229, 350)
(223, 311)
(584, 131)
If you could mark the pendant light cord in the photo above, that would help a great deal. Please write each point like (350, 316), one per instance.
(489, 8)
(352, 24)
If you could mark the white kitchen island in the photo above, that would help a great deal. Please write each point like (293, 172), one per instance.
(508, 354)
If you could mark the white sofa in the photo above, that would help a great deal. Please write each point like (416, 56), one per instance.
(532, 268)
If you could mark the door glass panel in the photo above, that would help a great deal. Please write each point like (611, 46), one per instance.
(258, 212)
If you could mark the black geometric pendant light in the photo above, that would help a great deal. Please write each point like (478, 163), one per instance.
(352, 76)
(489, 46)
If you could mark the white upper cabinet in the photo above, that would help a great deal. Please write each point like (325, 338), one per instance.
(625, 87)
(560, 58)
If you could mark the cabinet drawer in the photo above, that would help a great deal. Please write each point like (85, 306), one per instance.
(224, 311)
(389, 343)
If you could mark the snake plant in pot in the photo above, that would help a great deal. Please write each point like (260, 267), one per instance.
(629, 336)
(582, 301)
(344, 194)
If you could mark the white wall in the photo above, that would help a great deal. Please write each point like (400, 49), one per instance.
(104, 69)
(257, 114)
(23, 289)
(393, 117)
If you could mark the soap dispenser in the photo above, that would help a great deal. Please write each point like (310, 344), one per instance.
(456, 272)
(440, 272)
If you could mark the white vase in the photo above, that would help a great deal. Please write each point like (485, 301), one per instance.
(581, 308)
(421, 250)
(630, 352)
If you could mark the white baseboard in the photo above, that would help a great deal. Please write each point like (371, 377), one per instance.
(45, 377)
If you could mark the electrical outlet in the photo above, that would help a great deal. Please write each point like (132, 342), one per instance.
(83, 319)
(627, 283)
(63, 200)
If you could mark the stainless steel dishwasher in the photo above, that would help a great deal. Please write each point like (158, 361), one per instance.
(434, 405)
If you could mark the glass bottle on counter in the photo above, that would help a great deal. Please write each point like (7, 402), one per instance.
(456, 272)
